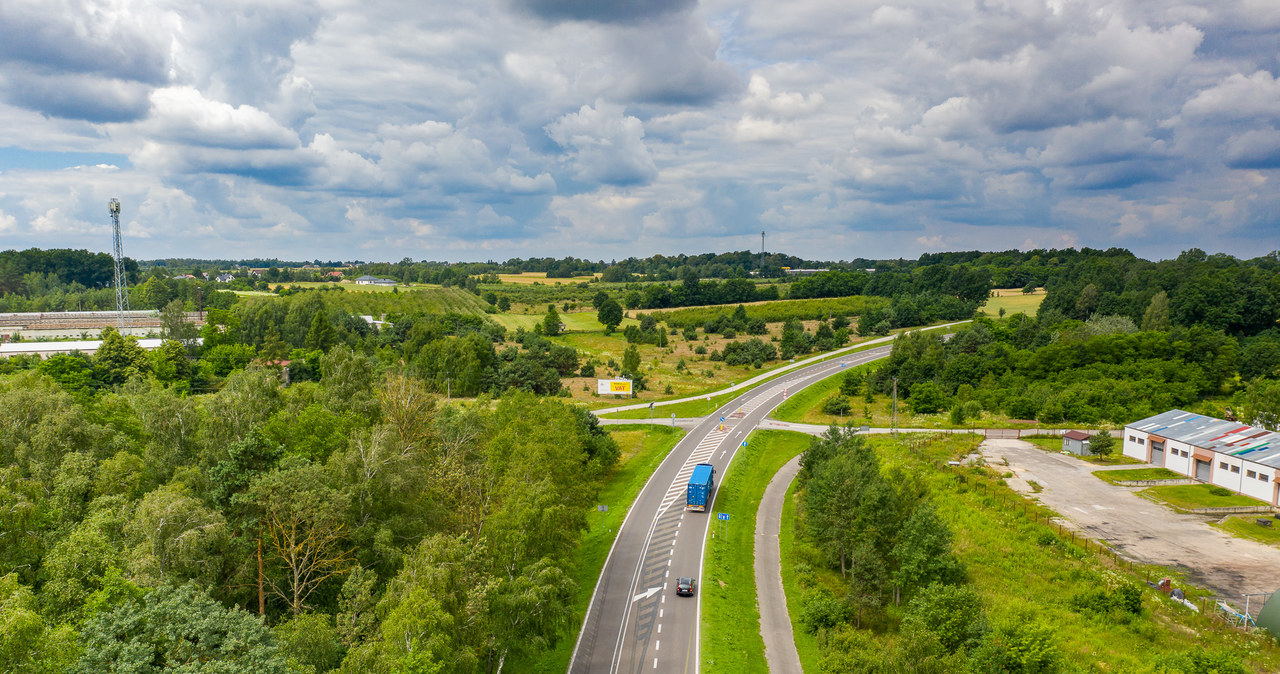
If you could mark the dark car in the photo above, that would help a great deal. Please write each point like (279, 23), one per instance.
(685, 587)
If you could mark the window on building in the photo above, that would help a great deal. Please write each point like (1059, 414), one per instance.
(1142, 441)
(1235, 469)
(1264, 478)
(1132, 439)
(1251, 473)
(1222, 465)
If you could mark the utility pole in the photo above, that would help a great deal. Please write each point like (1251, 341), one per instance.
(761, 251)
(893, 424)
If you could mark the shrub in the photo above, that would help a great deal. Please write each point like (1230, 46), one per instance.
(836, 404)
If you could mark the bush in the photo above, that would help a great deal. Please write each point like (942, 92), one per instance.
(836, 404)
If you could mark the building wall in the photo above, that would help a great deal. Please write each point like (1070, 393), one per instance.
(1135, 444)
(1234, 473)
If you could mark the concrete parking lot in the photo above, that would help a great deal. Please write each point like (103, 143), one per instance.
(1137, 528)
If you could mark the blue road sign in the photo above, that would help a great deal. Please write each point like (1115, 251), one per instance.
(722, 516)
(721, 418)
(744, 443)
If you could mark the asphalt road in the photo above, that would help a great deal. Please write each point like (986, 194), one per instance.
(775, 623)
(635, 622)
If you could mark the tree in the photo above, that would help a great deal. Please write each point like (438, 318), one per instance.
(119, 359)
(1156, 316)
(1262, 404)
(551, 325)
(170, 364)
(27, 643)
(321, 336)
(631, 360)
(836, 404)
(1102, 444)
(609, 315)
(952, 613)
(504, 304)
(174, 535)
(174, 325)
(303, 520)
(927, 398)
(171, 629)
(922, 553)
(851, 383)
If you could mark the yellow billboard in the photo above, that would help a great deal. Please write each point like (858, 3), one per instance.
(614, 387)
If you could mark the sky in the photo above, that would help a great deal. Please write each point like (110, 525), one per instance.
(490, 129)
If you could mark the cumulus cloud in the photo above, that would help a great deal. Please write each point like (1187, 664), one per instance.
(524, 127)
(605, 145)
(616, 11)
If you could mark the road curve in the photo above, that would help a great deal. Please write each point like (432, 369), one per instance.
(775, 622)
(635, 623)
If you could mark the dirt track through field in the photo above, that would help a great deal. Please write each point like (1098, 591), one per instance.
(1139, 529)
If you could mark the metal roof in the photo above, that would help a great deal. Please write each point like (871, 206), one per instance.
(1219, 435)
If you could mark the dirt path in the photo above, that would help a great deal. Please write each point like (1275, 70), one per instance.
(1137, 528)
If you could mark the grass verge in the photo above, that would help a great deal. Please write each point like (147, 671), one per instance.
(643, 449)
(1114, 476)
(1244, 526)
(731, 639)
(1186, 497)
(806, 404)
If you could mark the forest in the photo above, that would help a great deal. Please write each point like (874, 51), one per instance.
(302, 490)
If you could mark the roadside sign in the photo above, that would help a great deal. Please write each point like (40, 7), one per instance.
(744, 443)
(602, 508)
(721, 418)
(722, 516)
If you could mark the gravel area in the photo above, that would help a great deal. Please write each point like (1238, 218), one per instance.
(1139, 529)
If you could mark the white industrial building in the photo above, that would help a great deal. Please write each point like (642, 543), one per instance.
(1242, 458)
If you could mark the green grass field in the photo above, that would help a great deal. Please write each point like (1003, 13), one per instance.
(1114, 476)
(1013, 302)
(643, 449)
(1244, 526)
(731, 639)
(1190, 496)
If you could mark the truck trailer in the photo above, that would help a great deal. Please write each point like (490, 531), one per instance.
(701, 483)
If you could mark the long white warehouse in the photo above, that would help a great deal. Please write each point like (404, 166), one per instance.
(1244, 459)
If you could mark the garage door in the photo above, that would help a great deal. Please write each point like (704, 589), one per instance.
(1202, 470)
(1157, 456)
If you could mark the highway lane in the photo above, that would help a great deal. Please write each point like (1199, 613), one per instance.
(635, 622)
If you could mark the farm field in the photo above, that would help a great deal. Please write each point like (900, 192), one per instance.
(1013, 302)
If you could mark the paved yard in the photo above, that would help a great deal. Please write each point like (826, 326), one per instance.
(1137, 528)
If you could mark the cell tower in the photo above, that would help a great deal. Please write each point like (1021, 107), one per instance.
(121, 282)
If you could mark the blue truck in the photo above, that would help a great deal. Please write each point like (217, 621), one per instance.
(701, 483)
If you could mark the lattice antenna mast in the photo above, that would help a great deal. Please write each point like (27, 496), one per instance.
(121, 281)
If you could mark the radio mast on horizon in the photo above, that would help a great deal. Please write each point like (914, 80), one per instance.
(121, 282)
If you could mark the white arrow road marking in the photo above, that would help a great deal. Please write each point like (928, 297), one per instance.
(645, 595)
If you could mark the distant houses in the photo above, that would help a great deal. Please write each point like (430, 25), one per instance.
(224, 278)
(367, 280)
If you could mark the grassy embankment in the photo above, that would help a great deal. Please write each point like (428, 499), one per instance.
(1114, 476)
(1189, 496)
(806, 407)
(1246, 526)
(731, 640)
(1023, 567)
(643, 448)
